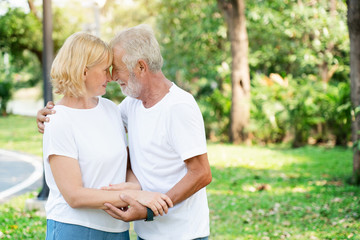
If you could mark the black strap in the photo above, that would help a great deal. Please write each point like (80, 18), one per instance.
(150, 215)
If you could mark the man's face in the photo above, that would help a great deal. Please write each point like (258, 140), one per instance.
(129, 83)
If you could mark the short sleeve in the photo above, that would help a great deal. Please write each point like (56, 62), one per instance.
(186, 130)
(58, 139)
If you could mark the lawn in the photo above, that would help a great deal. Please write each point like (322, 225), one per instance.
(256, 192)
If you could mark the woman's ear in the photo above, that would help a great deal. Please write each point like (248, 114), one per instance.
(85, 73)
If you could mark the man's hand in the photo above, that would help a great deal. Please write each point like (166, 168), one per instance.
(159, 203)
(41, 116)
(135, 211)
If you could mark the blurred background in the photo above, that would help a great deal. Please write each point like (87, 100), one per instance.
(272, 79)
(298, 61)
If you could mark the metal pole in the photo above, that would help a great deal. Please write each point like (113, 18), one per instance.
(47, 56)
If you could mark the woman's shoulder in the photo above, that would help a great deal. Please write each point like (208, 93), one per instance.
(60, 117)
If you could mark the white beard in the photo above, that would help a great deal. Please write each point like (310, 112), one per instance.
(133, 87)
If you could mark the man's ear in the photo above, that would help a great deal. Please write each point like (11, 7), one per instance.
(142, 66)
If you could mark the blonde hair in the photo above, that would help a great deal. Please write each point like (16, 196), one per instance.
(139, 43)
(81, 50)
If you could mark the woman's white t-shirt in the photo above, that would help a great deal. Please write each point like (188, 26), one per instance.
(96, 138)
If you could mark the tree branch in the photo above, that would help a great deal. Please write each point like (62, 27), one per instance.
(33, 9)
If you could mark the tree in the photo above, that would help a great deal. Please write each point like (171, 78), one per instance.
(305, 43)
(22, 33)
(234, 12)
(193, 38)
(354, 33)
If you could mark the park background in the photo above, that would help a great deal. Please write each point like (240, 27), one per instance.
(274, 93)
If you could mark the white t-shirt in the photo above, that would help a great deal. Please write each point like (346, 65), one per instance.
(160, 139)
(96, 139)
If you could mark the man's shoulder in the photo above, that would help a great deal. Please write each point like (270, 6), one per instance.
(180, 95)
(182, 104)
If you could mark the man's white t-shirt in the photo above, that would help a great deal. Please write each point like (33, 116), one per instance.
(96, 139)
(160, 139)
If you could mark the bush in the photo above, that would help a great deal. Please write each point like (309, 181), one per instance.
(302, 109)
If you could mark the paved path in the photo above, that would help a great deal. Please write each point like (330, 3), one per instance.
(19, 173)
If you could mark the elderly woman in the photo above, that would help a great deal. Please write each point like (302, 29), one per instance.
(84, 147)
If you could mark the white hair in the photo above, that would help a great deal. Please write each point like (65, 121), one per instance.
(139, 43)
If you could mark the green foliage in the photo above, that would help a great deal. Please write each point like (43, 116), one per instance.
(114, 93)
(22, 39)
(196, 57)
(121, 16)
(305, 108)
(20, 31)
(291, 38)
(308, 44)
(303, 41)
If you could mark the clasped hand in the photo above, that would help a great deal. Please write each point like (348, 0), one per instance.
(137, 202)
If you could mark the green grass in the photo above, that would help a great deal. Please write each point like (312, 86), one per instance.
(256, 192)
(20, 133)
(270, 193)
(16, 223)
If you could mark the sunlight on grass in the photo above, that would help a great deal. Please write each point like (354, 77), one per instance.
(20, 133)
(282, 193)
(249, 157)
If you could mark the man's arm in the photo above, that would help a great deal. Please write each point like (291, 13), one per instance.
(41, 116)
(198, 176)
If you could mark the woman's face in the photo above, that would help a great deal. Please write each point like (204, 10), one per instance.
(96, 79)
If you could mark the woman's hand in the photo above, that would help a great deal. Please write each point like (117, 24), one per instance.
(122, 186)
(159, 203)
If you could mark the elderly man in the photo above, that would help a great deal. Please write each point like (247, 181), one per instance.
(166, 140)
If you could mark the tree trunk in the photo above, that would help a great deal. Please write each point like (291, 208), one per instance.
(332, 8)
(354, 33)
(234, 12)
